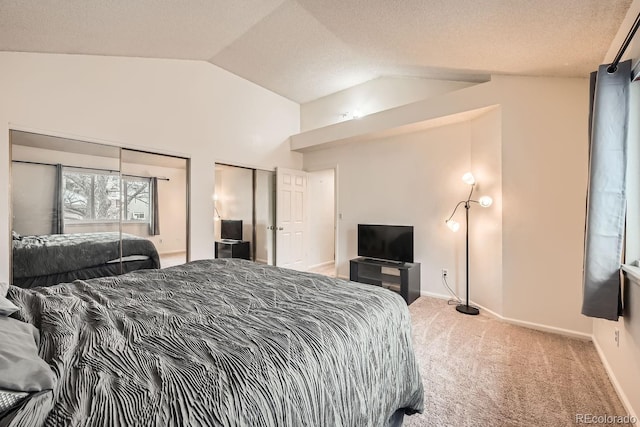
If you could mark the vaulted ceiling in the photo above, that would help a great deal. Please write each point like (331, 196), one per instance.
(306, 49)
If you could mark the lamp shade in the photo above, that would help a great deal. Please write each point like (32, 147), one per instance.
(468, 178)
(485, 201)
(453, 225)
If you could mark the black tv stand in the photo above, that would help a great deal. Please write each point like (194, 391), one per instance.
(401, 277)
(226, 248)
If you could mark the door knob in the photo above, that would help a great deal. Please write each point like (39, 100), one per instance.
(280, 228)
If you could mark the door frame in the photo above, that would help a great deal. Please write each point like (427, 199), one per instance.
(336, 210)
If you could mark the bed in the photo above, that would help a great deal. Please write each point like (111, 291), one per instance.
(46, 260)
(220, 342)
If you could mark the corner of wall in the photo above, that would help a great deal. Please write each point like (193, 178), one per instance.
(486, 254)
(621, 361)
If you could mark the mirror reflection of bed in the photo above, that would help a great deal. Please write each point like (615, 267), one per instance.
(82, 210)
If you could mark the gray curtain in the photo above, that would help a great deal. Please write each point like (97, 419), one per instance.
(57, 225)
(606, 198)
(154, 225)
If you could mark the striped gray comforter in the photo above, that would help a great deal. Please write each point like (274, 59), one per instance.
(223, 342)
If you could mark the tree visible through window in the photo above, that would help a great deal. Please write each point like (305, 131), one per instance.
(137, 196)
(95, 196)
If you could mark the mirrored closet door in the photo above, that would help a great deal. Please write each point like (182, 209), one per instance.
(244, 213)
(154, 188)
(82, 210)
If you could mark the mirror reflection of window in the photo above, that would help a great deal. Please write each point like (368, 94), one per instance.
(90, 196)
(137, 199)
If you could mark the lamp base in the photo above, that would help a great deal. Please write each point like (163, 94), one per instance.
(467, 309)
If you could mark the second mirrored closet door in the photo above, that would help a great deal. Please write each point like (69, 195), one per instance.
(82, 210)
(244, 215)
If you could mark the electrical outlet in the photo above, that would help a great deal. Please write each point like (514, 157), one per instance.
(445, 272)
(617, 336)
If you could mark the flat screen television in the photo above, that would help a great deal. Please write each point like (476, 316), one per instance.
(386, 242)
(231, 229)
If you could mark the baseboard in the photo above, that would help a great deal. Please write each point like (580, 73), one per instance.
(616, 385)
(172, 252)
(530, 325)
(434, 295)
(322, 264)
(547, 328)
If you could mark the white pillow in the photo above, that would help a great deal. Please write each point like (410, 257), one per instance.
(4, 288)
(7, 307)
(21, 369)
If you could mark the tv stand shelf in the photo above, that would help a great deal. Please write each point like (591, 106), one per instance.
(232, 249)
(402, 278)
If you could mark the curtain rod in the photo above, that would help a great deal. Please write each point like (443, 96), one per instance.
(82, 167)
(625, 44)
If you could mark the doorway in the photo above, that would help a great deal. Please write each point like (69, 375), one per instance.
(322, 222)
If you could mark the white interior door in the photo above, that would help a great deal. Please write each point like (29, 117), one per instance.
(291, 218)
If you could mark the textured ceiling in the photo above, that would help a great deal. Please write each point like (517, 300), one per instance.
(305, 49)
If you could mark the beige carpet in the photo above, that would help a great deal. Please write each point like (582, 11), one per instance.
(325, 270)
(480, 371)
(172, 259)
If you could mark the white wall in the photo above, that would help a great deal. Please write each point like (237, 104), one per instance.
(544, 180)
(321, 217)
(485, 234)
(543, 128)
(372, 96)
(412, 179)
(189, 108)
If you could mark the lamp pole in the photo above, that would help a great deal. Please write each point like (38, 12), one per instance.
(466, 308)
(485, 202)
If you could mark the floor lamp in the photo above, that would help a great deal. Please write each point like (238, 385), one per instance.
(484, 201)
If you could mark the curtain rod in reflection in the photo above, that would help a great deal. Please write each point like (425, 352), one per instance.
(92, 169)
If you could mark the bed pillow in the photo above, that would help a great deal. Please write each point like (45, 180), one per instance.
(21, 369)
(7, 307)
(4, 288)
